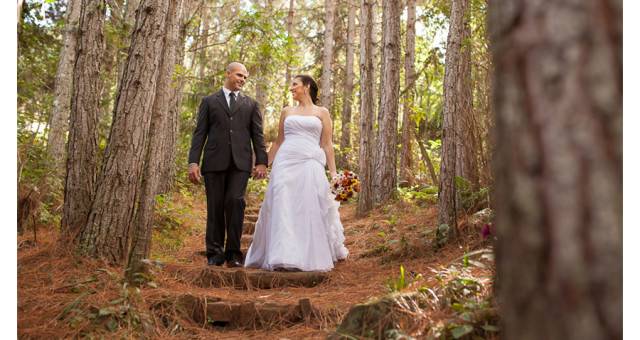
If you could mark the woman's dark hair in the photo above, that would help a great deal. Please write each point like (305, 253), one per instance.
(313, 86)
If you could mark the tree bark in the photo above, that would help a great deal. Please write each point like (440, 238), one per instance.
(59, 118)
(464, 126)
(286, 100)
(409, 72)
(447, 187)
(345, 139)
(368, 66)
(386, 156)
(159, 136)
(108, 229)
(128, 24)
(82, 148)
(558, 161)
(263, 66)
(327, 55)
(175, 105)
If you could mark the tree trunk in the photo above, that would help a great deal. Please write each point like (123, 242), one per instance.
(368, 66)
(59, 119)
(171, 147)
(409, 71)
(558, 161)
(464, 126)
(128, 24)
(386, 156)
(286, 100)
(447, 187)
(82, 148)
(263, 66)
(345, 139)
(108, 229)
(327, 55)
(427, 159)
(20, 4)
(159, 135)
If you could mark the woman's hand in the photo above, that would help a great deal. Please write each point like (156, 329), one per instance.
(334, 176)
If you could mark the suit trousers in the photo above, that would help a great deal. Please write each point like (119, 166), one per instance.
(225, 212)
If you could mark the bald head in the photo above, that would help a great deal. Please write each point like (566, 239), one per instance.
(234, 65)
(236, 76)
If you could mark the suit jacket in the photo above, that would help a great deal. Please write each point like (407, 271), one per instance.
(225, 134)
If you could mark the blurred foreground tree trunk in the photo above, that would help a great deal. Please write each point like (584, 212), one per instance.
(108, 228)
(160, 135)
(447, 224)
(368, 52)
(558, 161)
(82, 148)
(386, 155)
(59, 119)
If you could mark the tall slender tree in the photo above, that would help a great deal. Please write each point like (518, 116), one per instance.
(127, 25)
(327, 55)
(171, 146)
(159, 137)
(82, 156)
(447, 225)
(558, 161)
(347, 104)
(108, 228)
(287, 78)
(409, 72)
(59, 117)
(386, 157)
(368, 62)
(464, 120)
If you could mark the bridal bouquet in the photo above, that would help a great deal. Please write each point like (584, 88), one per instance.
(345, 186)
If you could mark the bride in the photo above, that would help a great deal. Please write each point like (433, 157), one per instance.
(299, 226)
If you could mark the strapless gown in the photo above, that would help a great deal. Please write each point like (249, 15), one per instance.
(298, 226)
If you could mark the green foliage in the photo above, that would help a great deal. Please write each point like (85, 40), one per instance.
(400, 283)
(416, 193)
(474, 311)
(123, 311)
(467, 196)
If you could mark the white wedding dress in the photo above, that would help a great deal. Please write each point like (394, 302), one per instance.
(299, 225)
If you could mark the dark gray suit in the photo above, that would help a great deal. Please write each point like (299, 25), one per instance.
(227, 137)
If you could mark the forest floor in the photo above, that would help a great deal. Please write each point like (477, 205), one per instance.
(62, 294)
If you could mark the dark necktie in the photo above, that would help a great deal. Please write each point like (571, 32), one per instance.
(232, 101)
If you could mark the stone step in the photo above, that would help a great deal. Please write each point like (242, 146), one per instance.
(245, 242)
(250, 218)
(241, 278)
(248, 227)
(252, 211)
(243, 314)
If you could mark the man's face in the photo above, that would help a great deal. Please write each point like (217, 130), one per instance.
(236, 78)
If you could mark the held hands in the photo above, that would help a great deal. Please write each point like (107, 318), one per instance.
(259, 172)
(194, 174)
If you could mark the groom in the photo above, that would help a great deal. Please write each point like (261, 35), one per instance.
(229, 122)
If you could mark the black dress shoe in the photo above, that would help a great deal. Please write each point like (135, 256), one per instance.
(234, 263)
(214, 262)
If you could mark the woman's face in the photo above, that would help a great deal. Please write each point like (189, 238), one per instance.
(297, 89)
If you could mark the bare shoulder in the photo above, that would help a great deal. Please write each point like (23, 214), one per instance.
(322, 112)
(286, 112)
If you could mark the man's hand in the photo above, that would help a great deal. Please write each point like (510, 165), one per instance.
(259, 172)
(194, 174)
